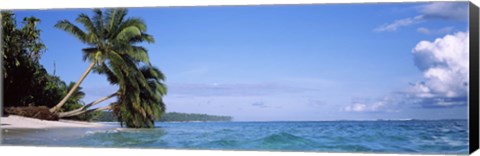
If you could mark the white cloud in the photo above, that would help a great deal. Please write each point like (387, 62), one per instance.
(386, 104)
(400, 23)
(446, 10)
(434, 10)
(362, 107)
(440, 31)
(444, 64)
(356, 107)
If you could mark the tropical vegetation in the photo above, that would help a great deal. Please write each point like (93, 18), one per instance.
(113, 48)
(25, 81)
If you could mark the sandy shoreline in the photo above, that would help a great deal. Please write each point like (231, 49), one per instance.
(19, 122)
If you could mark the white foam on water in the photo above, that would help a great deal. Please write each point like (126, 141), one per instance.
(101, 131)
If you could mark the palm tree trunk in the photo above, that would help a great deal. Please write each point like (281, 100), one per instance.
(100, 109)
(61, 103)
(83, 109)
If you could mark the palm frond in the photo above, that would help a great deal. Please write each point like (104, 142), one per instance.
(98, 22)
(113, 44)
(126, 34)
(89, 53)
(92, 32)
(142, 38)
(114, 18)
(72, 29)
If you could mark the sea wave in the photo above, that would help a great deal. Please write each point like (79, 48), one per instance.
(284, 140)
(93, 132)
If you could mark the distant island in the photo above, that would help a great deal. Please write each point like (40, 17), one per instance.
(174, 116)
(107, 116)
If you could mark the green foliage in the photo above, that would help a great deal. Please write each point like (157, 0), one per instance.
(109, 35)
(75, 101)
(140, 100)
(26, 82)
(113, 45)
(104, 116)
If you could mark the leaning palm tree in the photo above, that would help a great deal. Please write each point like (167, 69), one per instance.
(85, 108)
(139, 96)
(108, 36)
(141, 88)
(139, 107)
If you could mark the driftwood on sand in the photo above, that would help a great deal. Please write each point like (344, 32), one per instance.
(39, 112)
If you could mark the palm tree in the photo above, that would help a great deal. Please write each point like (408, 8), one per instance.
(109, 36)
(140, 100)
(139, 96)
(140, 92)
(85, 108)
(74, 106)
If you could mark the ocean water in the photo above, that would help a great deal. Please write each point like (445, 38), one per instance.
(413, 136)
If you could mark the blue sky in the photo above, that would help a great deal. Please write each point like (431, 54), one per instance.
(292, 62)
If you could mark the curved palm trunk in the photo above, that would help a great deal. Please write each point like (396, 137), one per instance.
(100, 109)
(61, 103)
(83, 109)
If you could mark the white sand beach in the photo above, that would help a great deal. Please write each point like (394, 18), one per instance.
(19, 122)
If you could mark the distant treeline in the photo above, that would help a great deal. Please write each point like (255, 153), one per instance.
(107, 116)
(174, 116)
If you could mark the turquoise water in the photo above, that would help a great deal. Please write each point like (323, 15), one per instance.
(438, 137)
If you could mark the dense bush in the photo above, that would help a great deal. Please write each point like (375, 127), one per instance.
(25, 81)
